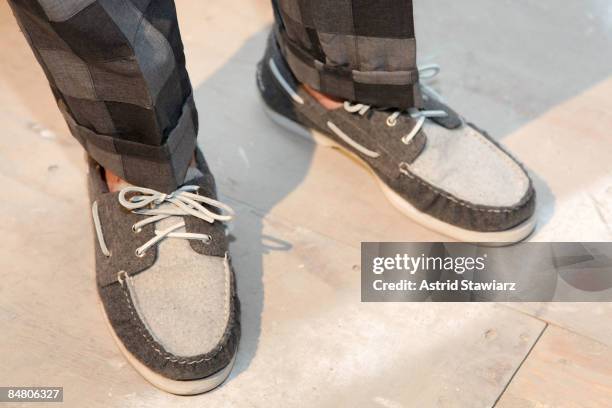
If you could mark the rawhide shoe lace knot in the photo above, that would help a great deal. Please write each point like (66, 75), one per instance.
(159, 206)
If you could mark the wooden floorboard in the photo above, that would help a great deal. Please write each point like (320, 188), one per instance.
(302, 213)
(564, 370)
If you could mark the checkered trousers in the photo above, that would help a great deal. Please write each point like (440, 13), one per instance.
(358, 50)
(117, 70)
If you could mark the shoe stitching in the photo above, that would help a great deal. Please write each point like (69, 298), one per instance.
(404, 171)
(166, 355)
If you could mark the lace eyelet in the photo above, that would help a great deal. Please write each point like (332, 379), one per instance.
(391, 121)
(207, 241)
(139, 253)
(404, 168)
(121, 277)
(136, 230)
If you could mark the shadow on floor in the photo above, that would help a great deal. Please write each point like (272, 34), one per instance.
(256, 165)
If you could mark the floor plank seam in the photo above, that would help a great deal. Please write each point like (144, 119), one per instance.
(556, 324)
(537, 340)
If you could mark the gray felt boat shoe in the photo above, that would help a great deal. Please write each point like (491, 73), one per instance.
(442, 172)
(165, 280)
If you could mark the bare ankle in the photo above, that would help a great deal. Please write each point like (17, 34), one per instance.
(327, 101)
(114, 182)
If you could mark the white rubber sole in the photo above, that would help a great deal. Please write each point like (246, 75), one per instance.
(187, 387)
(500, 238)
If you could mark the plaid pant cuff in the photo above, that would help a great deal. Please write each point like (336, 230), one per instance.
(161, 167)
(393, 89)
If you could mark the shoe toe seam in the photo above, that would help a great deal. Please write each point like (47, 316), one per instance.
(154, 345)
(523, 201)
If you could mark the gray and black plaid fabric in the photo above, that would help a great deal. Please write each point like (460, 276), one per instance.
(358, 50)
(117, 70)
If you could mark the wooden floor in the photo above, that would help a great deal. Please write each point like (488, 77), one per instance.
(308, 341)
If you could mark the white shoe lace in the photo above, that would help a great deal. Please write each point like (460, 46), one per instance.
(150, 202)
(425, 72)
